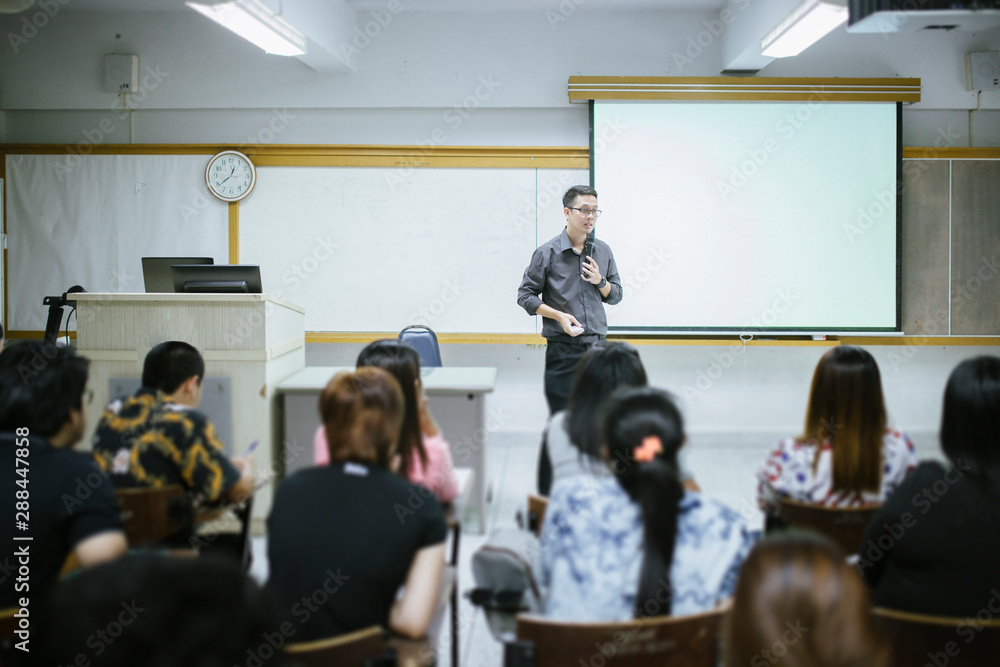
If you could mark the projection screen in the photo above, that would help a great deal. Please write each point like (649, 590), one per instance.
(752, 216)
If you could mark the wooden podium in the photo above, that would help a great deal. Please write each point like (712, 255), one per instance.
(254, 340)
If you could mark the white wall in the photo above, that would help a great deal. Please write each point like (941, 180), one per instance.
(426, 70)
(724, 391)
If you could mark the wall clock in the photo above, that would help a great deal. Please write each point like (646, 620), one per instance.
(230, 175)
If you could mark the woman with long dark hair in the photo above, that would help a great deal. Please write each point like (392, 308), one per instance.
(425, 456)
(847, 455)
(933, 547)
(572, 441)
(635, 543)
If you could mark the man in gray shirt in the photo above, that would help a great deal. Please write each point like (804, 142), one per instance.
(569, 290)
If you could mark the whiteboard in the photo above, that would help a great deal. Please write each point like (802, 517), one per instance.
(379, 248)
(88, 220)
(360, 248)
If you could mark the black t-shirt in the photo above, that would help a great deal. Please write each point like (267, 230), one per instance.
(934, 546)
(341, 539)
(69, 500)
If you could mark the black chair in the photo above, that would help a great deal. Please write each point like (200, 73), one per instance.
(424, 341)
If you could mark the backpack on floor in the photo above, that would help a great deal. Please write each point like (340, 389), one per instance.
(503, 569)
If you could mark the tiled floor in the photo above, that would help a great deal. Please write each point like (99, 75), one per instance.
(723, 465)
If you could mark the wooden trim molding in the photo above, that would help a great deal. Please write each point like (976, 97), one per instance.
(742, 89)
(537, 339)
(319, 155)
(934, 153)
(234, 232)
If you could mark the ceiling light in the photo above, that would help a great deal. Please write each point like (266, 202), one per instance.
(255, 22)
(802, 28)
(14, 6)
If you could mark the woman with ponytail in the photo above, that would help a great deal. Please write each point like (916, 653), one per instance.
(636, 543)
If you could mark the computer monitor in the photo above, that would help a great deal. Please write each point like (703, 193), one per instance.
(216, 278)
(156, 271)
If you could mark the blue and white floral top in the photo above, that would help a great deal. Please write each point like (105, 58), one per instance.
(592, 553)
(796, 470)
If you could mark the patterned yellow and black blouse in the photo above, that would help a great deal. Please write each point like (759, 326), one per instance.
(145, 441)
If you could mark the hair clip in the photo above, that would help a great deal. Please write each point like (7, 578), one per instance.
(647, 451)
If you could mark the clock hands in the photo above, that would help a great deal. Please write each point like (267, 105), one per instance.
(233, 171)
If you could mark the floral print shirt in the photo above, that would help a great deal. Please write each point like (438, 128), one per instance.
(592, 551)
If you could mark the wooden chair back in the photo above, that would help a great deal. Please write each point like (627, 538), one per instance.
(662, 641)
(152, 515)
(536, 513)
(845, 526)
(369, 646)
(350, 650)
(939, 640)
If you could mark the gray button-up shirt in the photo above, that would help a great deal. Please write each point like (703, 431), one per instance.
(553, 278)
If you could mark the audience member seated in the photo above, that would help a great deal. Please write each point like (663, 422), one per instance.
(798, 603)
(57, 497)
(153, 610)
(934, 546)
(158, 437)
(635, 543)
(343, 538)
(425, 454)
(847, 456)
(572, 444)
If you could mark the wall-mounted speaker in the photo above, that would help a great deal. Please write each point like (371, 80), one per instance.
(982, 70)
(121, 73)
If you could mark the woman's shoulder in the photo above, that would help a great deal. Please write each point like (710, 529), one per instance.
(897, 439)
(698, 507)
(795, 453)
(581, 496)
(436, 444)
(793, 446)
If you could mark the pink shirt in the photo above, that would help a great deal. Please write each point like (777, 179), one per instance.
(438, 476)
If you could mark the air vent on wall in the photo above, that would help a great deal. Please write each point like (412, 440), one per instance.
(885, 16)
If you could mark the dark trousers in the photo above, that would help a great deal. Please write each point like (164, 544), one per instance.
(561, 359)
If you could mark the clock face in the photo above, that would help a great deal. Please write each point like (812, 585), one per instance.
(230, 175)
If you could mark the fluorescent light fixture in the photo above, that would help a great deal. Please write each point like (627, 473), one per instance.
(15, 6)
(255, 22)
(802, 28)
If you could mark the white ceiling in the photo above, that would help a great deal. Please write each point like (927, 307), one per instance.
(429, 5)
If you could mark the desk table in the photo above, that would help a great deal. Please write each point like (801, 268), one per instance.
(456, 398)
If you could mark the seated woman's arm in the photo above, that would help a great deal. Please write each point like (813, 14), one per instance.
(439, 476)
(321, 450)
(787, 471)
(411, 614)
(100, 548)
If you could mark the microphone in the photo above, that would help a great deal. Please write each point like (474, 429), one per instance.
(56, 304)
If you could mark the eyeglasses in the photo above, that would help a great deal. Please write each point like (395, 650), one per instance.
(88, 396)
(596, 212)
